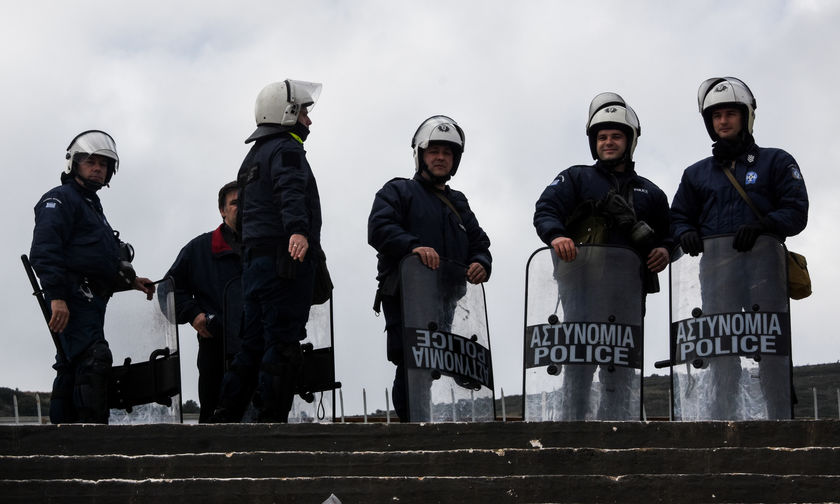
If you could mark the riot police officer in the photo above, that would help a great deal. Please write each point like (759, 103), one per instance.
(206, 274)
(81, 262)
(424, 216)
(707, 203)
(280, 213)
(606, 203)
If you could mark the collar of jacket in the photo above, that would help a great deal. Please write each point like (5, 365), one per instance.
(428, 185)
(84, 192)
(629, 170)
(749, 157)
(218, 244)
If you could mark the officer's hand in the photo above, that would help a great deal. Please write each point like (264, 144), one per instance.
(298, 246)
(143, 284)
(565, 248)
(658, 259)
(476, 273)
(428, 256)
(746, 236)
(691, 243)
(60, 315)
(199, 323)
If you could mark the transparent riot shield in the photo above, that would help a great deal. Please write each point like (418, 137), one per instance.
(730, 332)
(315, 399)
(583, 335)
(449, 372)
(145, 383)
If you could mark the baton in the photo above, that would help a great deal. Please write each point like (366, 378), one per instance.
(42, 302)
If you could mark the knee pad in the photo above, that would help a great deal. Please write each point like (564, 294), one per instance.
(90, 393)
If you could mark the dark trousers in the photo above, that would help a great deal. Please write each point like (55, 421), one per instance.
(211, 369)
(80, 392)
(276, 311)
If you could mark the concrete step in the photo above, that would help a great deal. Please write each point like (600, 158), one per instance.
(469, 462)
(686, 489)
(795, 461)
(180, 439)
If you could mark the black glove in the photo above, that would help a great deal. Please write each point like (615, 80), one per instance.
(746, 236)
(691, 243)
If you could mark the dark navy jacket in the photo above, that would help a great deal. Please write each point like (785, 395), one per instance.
(72, 239)
(707, 202)
(406, 214)
(580, 184)
(205, 267)
(278, 194)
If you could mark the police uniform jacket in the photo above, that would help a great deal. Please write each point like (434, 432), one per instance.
(205, 269)
(583, 185)
(406, 214)
(707, 202)
(278, 195)
(72, 240)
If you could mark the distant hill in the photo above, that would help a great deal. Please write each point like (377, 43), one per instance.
(824, 377)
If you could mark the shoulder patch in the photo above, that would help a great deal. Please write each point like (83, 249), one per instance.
(795, 173)
(559, 180)
(51, 202)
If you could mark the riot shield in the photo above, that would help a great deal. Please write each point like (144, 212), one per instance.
(730, 332)
(145, 382)
(449, 371)
(315, 399)
(583, 335)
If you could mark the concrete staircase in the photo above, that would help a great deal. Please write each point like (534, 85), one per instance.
(795, 461)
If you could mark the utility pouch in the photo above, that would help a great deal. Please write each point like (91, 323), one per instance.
(323, 283)
(588, 230)
(799, 280)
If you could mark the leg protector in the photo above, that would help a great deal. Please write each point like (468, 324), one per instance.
(90, 394)
(62, 409)
(278, 381)
(238, 386)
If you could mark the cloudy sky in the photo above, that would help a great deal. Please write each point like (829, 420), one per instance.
(175, 83)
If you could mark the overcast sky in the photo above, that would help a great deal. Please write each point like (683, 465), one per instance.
(175, 83)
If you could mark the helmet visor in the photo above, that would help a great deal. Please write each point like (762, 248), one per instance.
(602, 100)
(708, 84)
(429, 131)
(303, 93)
(95, 143)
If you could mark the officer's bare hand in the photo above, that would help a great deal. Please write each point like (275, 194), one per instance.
(565, 248)
(476, 273)
(60, 315)
(428, 256)
(145, 285)
(199, 323)
(298, 246)
(658, 259)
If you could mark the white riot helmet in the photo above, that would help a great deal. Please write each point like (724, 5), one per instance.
(720, 92)
(439, 128)
(609, 110)
(280, 102)
(89, 143)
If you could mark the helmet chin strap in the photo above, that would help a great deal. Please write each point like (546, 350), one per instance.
(434, 179)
